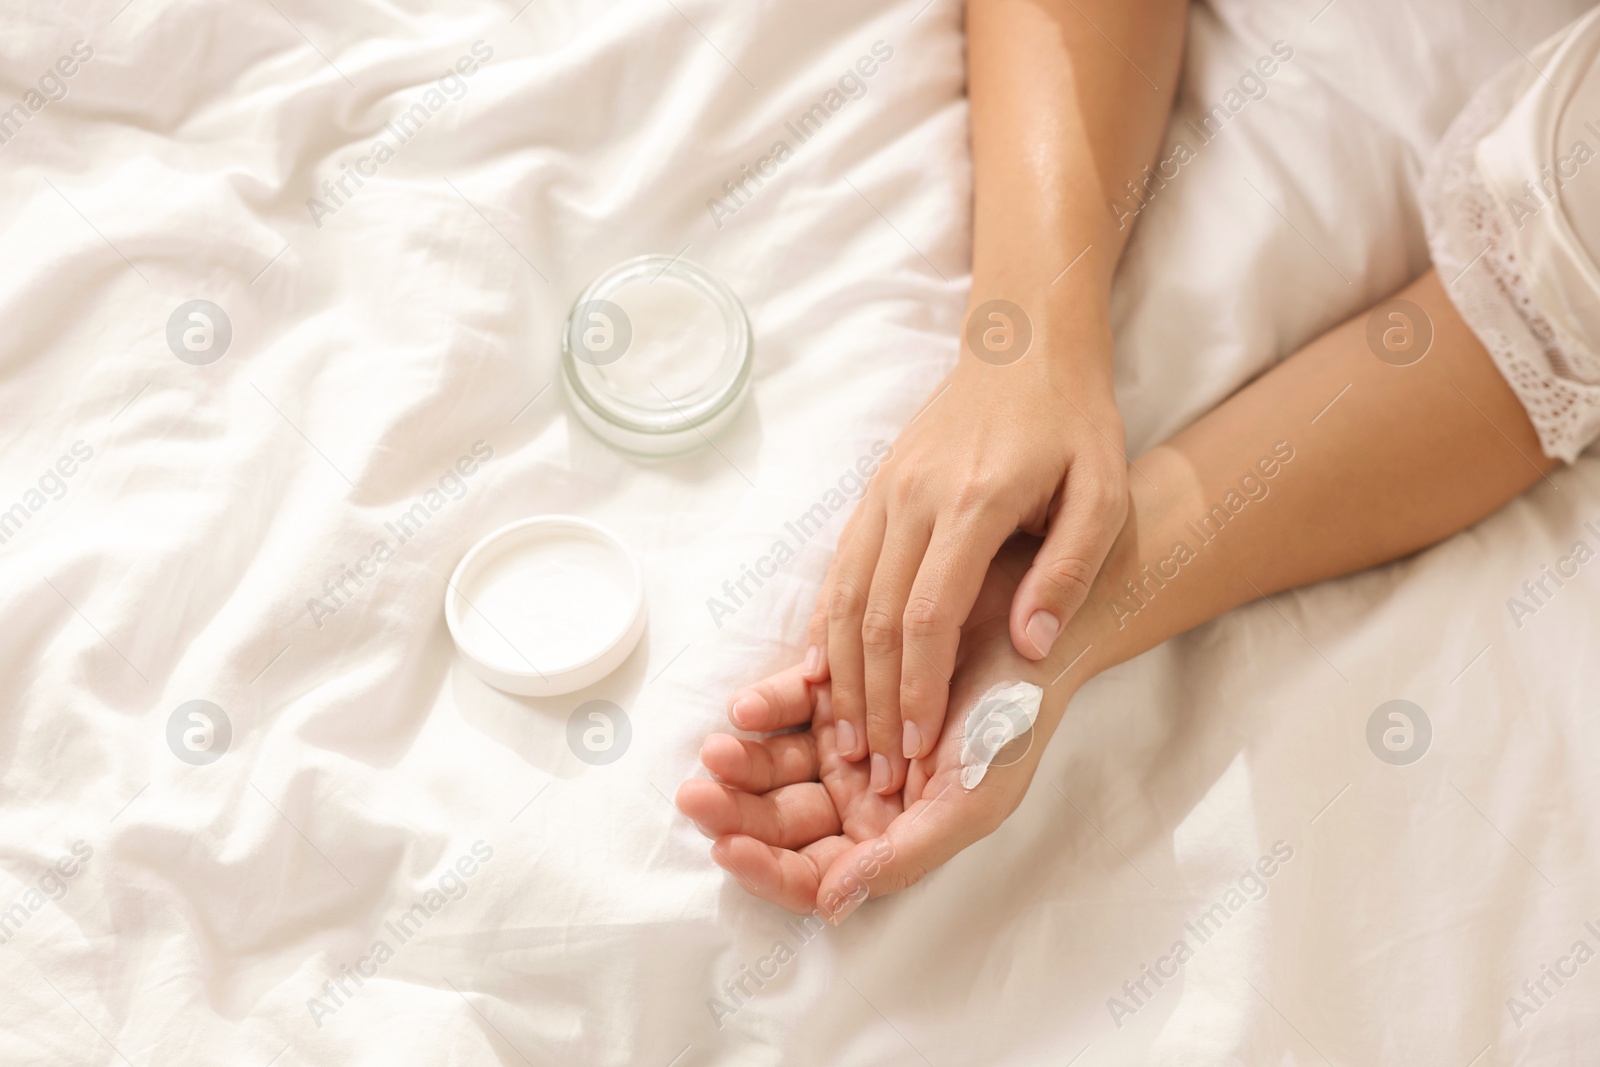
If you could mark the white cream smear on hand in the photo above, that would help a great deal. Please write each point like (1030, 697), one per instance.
(679, 341)
(1005, 712)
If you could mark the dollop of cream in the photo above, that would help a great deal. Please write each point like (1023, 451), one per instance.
(1005, 712)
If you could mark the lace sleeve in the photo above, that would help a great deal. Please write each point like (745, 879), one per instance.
(1556, 377)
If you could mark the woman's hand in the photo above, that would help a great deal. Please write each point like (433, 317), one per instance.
(1068, 101)
(1010, 441)
(798, 824)
(783, 809)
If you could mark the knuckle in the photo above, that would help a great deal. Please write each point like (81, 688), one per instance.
(878, 634)
(849, 700)
(772, 697)
(922, 691)
(971, 493)
(845, 601)
(847, 693)
(903, 486)
(923, 617)
(1110, 498)
(1068, 577)
(883, 727)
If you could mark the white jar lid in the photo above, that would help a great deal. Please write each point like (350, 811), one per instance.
(656, 355)
(546, 605)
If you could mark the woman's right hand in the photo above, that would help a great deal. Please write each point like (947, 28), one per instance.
(1010, 441)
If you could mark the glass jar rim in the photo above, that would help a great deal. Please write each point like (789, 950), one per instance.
(722, 389)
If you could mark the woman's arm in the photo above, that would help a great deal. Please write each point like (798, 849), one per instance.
(1386, 460)
(1068, 101)
(1333, 461)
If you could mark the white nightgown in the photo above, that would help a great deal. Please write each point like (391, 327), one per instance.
(1511, 203)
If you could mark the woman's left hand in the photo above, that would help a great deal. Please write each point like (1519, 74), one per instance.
(783, 809)
(799, 825)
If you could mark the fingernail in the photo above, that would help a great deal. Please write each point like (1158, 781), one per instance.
(1043, 629)
(813, 661)
(845, 910)
(911, 741)
(880, 772)
(746, 708)
(846, 737)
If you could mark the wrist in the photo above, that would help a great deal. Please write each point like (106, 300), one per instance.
(1033, 251)
(1066, 325)
(1131, 607)
(1065, 286)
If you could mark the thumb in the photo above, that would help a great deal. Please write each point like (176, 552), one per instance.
(919, 839)
(1080, 535)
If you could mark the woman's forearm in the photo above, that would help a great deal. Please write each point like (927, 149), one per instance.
(1333, 461)
(1069, 100)
(1028, 435)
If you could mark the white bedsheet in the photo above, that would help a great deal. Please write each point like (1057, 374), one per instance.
(374, 346)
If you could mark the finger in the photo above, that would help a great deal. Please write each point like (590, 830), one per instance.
(922, 838)
(904, 543)
(783, 700)
(942, 597)
(1092, 511)
(792, 816)
(785, 877)
(761, 766)
(816, 658)
(816, 629)
(847, 604)
(832, 767)
(815, 664)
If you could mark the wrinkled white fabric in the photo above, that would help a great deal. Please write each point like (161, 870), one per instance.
(1512, 200)
(370, 354)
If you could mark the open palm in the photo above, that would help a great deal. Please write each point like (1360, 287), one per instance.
(798, 825)
(783, 809)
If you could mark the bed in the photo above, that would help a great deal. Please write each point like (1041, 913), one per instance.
(366, 856)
